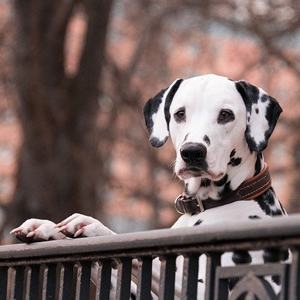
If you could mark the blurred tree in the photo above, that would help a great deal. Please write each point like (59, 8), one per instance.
(149, 44)
(166, 34)
(59, 163)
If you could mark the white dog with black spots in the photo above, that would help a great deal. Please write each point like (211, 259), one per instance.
(219, 129)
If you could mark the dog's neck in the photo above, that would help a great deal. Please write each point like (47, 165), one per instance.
(237, 172)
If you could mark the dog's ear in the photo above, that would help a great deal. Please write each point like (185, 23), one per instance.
(157, 115)
(262, 114)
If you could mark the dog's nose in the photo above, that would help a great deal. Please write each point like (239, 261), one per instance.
(193, 152)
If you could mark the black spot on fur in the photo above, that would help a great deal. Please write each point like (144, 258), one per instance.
(254, 217)
(207, 140)
(232, 153)
(266, 201)
(205, 182)
(222, 181)
(200, 280)
(132, 296)
(198, 222)
(257, 110)
(271, 201)
(227, 189)
(169, 100)
(276, 279)
(277, 212)
(264, 98)
(258, 164)
(235, 161)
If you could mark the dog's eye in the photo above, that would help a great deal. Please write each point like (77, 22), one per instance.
(225, 116)
(180, 115)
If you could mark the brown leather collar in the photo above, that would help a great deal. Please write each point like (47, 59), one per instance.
(248, 190)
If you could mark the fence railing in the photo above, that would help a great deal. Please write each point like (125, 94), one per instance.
(64, 269)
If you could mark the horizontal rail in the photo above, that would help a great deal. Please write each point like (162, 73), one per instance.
(48, 269)
(278, 227)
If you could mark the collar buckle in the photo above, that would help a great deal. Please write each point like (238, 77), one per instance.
(179, 206)
(183, 204)
(200, 204)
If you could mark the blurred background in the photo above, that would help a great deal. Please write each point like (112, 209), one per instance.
(75, 75)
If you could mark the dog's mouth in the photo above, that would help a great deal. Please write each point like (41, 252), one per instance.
(189, 172)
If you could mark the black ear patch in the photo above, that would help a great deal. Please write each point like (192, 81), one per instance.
(151, 108)
(169, 100)
(157, 116)
(262, 113)
(249, 93)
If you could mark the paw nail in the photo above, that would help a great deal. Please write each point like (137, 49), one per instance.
(30, 234)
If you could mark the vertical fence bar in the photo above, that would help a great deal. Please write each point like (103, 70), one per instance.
(213, 261)
(144, 278)
(32, 282)
(103, 280)
(49, 282)
(221, 286)
(3, 282)
(83, 281)
(65, 281)
(167, 277)
(17, 286)
(294, 275)
(190, 276)
(124, 278)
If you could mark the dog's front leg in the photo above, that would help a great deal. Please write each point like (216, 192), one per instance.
(37, 230)
(78, 225)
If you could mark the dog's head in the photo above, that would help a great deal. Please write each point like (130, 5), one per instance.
(207, 117)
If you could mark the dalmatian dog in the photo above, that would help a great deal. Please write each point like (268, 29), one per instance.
(219, 128)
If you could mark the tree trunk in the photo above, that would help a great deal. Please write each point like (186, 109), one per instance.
(59, 165)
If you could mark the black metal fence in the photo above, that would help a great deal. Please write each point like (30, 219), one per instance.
(64, 269)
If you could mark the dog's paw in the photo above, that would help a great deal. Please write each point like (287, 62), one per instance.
(78, 225)
(37, 230)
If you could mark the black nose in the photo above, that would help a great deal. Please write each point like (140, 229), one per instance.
(193, 153)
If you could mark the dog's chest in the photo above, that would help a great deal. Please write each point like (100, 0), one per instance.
(240, 210)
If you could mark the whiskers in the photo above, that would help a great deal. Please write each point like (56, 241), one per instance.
(172, 165)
